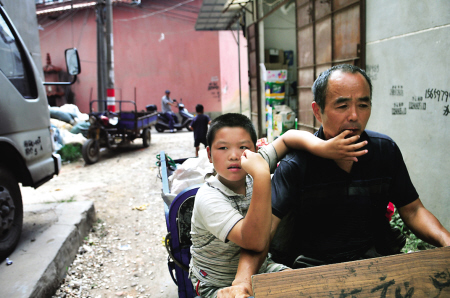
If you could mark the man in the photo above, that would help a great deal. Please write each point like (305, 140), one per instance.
(166, 104)
(334, 211)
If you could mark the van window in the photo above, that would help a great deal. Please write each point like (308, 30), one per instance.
(14, 64)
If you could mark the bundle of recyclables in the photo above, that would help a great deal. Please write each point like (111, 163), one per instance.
(181, 179)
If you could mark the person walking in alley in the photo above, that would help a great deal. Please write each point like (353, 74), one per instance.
(166, 104)
(200, 126)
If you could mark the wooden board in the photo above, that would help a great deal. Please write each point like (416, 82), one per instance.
(419, 274)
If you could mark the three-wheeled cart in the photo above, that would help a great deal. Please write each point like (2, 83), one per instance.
(113, 129)
(178, 213)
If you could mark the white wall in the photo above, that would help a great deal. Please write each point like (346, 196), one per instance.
(408, 59)
(280, 33)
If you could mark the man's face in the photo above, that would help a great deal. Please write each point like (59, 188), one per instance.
(225, 153)
(347, 104)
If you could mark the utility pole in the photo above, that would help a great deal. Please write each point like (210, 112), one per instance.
(101, 56)
(239, 64)
(111, 99)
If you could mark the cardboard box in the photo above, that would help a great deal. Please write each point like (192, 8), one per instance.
(278, 75)
(274, 56)
(283, 119)
(275, 66)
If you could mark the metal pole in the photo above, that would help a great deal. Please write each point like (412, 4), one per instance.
(100, 57)
(239, 67)
(111, 99)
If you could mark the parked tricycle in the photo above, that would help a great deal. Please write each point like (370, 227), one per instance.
(113, 129)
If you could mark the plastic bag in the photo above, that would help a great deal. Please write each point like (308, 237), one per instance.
(190, 173)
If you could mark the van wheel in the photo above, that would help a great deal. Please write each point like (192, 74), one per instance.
(146, 137)
(91, 151)
(11, 213)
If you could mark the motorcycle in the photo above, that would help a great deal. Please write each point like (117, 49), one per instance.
(163, 122)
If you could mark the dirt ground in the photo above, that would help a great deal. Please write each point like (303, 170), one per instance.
(124, 255)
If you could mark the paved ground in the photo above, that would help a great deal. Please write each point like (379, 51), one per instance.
(50, 239)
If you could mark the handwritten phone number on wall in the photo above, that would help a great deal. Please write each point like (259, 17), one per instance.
(440, 95)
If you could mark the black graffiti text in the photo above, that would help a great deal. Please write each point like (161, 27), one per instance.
(213, 86)
(372, 71)
(32, 147)
(440, 95)
(417, 105)
(441, 280)
(396, 91)
(399, 109)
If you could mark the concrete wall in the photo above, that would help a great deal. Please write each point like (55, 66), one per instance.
(23, 15)
(152, 53)
(408, 60)
(280, 33)
(229, 72)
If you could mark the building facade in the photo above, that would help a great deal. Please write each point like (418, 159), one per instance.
(155, 48)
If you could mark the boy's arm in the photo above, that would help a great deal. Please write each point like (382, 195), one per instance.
(253, 231)
(249, 264)
(336, 148)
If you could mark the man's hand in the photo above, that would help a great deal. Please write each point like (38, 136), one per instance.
(238, 290)
(253, 163)
(344, 148)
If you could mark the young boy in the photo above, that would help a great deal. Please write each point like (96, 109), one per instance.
(200, 126)
(232, 210)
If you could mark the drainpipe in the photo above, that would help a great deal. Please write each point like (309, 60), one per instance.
(101, 96)
(111, 99)
(239, 66)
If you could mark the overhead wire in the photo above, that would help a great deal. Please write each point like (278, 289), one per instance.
(65, 19)
(86, 17)
(154, 13)
(169, 14)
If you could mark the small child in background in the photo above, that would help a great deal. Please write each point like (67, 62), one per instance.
(200, 126)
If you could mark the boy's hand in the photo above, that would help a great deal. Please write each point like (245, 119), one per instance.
(237, 290)
(341, 148)
(253, 163)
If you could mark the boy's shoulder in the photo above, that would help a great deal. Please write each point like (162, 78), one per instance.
(202, 116)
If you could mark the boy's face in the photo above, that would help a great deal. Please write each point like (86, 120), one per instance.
(225, 154)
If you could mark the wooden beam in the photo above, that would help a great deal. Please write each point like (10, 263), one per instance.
(419, 274)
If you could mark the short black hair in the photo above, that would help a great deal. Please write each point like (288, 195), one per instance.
(199, 108)
(231, 120)
(320, 85)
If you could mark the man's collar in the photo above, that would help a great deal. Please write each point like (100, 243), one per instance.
(320, 133)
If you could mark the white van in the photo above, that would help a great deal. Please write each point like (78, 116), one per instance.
(26, 149)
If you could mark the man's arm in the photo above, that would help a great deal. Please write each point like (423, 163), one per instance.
(336, 148)
(249, 264)
(424, 224)
(253, 231)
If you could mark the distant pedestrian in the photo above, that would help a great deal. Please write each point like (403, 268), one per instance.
(200, 127)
